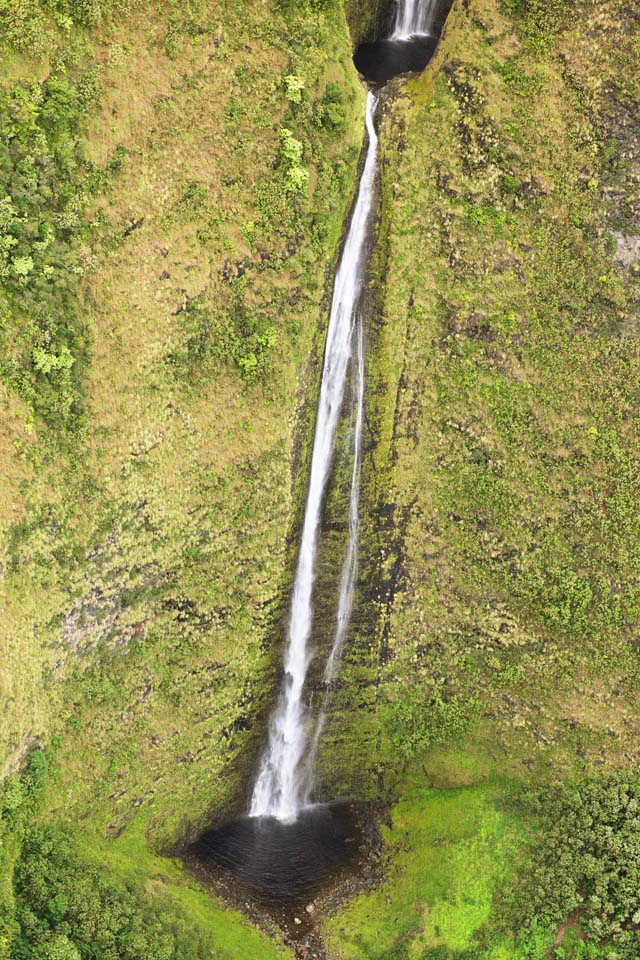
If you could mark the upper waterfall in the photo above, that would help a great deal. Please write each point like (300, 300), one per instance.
(417, 26)
(279, 789)
(413, 18)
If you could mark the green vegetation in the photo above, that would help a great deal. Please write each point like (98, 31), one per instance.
(164, 279)
(20, 802)
(512, 547)
(501, 541)
(586, 863)
(173, 185)
(65, 897)
(450, 850)
(291, 156)
(44, 186)
(492, 873)
(414, 718)
(173, 355)
(68, 909)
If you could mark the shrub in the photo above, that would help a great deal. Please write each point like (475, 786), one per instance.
(291, 158)
(25, 25)
(539, 18)
(43, 335)
(69, 909)
(331, 113)
(586, 861)
(257, 338)
(420, 717)
(290, 148)
(294, 87)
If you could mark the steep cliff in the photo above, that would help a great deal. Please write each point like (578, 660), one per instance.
(176, 180)
(503, 392)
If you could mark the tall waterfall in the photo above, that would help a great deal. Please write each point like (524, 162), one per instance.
(350, 565)
(413, 18)
(349, 568)
(280, 789)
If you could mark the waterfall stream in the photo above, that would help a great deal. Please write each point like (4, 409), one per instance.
(282, 783)
(350, 566)
(286, 848)
(413, 19)
(285, 775)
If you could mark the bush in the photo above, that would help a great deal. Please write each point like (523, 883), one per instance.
(539, 18)
(421, 717)
(25, 25)
(257, 339)
(331, 112)
(69, 909)
(293, 86)
(586, 862)
(43, 335)
(291, 158)
(22, 792)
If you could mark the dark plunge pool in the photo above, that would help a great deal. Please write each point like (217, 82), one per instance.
(382, 60)
(276, 863)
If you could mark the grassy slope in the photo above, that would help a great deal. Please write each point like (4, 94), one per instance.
(131, 861)
(528, 576)
(448, 850)
(517, 601)
(142, 589)
(167, 545)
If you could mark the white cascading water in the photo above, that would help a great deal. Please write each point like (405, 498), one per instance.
(281, 788)
(413, 19)
(349, 567)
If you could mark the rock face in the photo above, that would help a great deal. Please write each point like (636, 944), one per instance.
(368, 21)
(627, 249)
(498, 318)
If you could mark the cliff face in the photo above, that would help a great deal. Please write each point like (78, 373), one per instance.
(368, 20)
(533, 439)
(502, 381)
(146, 537)
(178, 180)
(503, 393)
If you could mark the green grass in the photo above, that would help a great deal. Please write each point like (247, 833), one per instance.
(449, 851)
(130, 860)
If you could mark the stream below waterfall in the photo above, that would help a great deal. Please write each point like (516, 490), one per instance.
(288, 849)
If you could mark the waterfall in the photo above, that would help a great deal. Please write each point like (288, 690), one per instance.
(413, 18)
(350, 565)
(281, 785)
